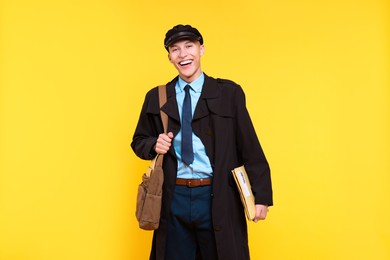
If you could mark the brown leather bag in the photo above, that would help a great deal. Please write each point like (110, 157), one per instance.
(149, 195)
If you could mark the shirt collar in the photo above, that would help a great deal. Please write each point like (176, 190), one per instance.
(196, 85)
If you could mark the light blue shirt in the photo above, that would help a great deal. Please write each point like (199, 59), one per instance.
(200, 167)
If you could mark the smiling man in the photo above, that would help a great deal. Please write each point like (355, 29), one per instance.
(185, 54)
(209, 134)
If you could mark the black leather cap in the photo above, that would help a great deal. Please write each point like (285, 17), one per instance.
(180, 32)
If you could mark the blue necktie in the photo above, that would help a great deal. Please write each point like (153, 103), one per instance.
(187, 153)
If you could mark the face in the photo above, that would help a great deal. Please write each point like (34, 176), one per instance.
(185, 56)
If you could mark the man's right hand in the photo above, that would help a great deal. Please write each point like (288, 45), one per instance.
(163, 143)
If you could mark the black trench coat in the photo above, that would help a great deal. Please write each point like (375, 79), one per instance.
(222, 122)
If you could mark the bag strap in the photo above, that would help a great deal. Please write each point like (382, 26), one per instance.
(162, 97)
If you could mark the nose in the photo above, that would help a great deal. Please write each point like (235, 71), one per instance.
(183, 53)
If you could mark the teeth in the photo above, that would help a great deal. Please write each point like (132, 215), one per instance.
(185, 62)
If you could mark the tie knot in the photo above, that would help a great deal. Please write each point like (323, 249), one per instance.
(187, 88)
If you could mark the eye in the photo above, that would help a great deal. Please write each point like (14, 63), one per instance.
(189, 45)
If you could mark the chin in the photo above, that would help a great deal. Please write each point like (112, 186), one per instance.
(186, 75)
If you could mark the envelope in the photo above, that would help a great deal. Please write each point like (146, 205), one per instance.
(244, 188)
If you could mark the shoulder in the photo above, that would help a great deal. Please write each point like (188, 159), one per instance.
(227, 85)
(221, 92)
(227, 82)
(151, 102)
(152, 94)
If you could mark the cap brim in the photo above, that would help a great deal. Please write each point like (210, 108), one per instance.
(181, 36)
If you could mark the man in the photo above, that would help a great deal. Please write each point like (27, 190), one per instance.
(209, 134)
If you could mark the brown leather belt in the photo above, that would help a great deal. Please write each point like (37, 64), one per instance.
(193, 182)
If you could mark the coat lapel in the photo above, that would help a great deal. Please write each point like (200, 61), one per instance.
(209, 91)
(170, 107)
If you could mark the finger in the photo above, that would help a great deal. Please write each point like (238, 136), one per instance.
(162, 146)
(263, 213)
(163, 143)
(161, 150)
(165, 138)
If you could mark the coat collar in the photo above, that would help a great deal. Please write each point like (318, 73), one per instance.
(170, 107)
(210, 90)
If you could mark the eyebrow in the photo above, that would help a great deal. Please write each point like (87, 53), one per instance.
(186, 41)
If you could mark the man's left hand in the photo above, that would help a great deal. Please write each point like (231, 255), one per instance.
(261, 212)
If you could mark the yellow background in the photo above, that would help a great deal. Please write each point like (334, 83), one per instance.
(73, 75)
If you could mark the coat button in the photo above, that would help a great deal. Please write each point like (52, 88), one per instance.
(209, 132)
(217, 228)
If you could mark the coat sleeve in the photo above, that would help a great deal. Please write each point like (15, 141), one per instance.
(251, 153)
(148, 128)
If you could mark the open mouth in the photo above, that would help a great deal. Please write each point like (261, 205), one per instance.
(185, 63)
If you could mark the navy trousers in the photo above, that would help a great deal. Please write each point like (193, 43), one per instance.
(190, 229)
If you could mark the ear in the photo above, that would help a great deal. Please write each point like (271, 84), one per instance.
(169, 58)
(201, 50)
